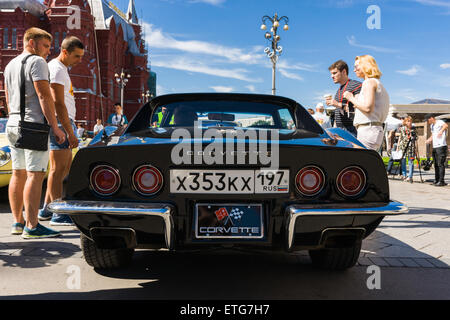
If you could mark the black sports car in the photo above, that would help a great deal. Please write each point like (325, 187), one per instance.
(259, 172)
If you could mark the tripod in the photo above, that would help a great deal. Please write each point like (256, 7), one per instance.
(416, 154)
(416, 157)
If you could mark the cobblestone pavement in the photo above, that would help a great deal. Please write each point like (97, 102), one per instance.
(413, 245)
(420, 238)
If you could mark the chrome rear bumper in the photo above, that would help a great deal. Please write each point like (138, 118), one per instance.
(164, 211)
(295, 211)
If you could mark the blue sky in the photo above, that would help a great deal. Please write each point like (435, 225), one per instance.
(217, 45)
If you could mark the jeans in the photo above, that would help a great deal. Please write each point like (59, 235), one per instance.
(410, 168)
(440, 157)
(65, 145)
(402, 167)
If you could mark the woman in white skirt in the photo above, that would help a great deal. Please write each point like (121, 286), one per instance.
(371, 105)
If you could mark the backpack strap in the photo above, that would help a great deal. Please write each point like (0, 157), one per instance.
(22, 88)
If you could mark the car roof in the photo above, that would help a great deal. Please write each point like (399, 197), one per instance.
(262, 98)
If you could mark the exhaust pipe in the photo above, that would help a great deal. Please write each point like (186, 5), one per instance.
(341, 237)
(114, 238)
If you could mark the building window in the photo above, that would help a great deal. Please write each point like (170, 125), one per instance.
(14, 38)
(5, 38)
(95, 84)
(57, 40)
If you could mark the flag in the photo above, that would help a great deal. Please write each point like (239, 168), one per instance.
(221, 214)
(236, 214)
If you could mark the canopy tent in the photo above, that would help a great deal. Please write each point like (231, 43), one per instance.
(392, 123)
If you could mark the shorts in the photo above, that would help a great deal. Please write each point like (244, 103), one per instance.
(24, 159)
(65, 145)
(371, 136)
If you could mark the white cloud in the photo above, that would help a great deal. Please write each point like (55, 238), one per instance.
(222, 89)
(436, 3)
(213, 2)
(414, 70)
(290, 75)
(405, 96)
(156, 38)
(251, 88)
(283, 64)
(445, 66)
(344, 3)
(188, 64)
(352, 41)
(210, 58)
(160, 90)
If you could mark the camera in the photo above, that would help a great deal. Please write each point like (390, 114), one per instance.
(426, 164)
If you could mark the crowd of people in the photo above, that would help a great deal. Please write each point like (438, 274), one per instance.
(45, 91)
(362, 108)
(42, 93)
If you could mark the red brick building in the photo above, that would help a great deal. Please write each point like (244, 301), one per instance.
(118, 37)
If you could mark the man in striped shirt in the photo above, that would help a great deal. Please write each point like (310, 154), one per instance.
(344, 113)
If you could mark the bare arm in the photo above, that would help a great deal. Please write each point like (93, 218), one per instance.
(365, 103)
(7, 98)
(444, 128)
(48, 107)
(57, 91)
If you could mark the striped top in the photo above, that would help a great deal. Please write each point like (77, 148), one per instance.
(342, 118)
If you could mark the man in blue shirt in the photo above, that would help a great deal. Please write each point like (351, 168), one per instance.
(118, 119)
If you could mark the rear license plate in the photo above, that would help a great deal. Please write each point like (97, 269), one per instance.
(229, 221)
(229, 181)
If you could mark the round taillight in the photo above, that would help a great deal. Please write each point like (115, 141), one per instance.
(310, 181)
(351, 181)
(147, 180)
(105, 180)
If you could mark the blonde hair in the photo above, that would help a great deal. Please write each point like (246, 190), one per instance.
(369, 66)
(36, 34)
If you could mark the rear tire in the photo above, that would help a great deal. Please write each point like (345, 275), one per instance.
(104, 258)
(336, 258)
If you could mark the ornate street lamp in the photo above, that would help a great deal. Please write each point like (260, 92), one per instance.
(274, 51)
(122, 81)
(146, 96)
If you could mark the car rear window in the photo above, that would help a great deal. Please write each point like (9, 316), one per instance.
(222, 114)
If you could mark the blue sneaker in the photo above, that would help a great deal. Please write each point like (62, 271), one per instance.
(17, 229)
(61, 220)
(44, 214)
(40, 232)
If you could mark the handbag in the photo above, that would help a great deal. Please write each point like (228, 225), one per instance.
(397, 155)
(31, 135)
